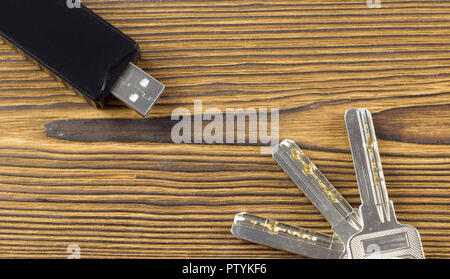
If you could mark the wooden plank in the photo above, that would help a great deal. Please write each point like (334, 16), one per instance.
(118, 187)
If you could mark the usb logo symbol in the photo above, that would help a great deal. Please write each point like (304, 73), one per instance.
(71, 4)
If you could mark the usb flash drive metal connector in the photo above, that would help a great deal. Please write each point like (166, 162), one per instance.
(88, 54)
(137, 89)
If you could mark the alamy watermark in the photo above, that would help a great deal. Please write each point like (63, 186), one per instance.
(73, 4)
(374, 4)
(213, 126)
(74, 251)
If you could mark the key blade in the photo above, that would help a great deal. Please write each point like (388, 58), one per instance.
(285, 237)
(381, 236)
(344, 219)
(367, 162)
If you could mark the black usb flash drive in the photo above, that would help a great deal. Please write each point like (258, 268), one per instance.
(87, 53)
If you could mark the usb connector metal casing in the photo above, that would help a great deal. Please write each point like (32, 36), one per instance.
(137, 89)
(80, 48)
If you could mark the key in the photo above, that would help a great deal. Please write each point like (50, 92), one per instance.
(285, 237)
(344, 219)
(381, 235)
(342, 216)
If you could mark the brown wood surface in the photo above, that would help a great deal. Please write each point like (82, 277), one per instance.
(104, 180)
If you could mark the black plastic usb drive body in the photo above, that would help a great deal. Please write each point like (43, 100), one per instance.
(87, 53)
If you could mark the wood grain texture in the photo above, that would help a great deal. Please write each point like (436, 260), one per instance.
(121, 195)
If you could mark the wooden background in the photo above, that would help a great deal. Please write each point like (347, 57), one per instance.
(114, 186)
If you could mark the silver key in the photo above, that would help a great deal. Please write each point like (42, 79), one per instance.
(285, 237)
(381, 235)
(344, 219)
